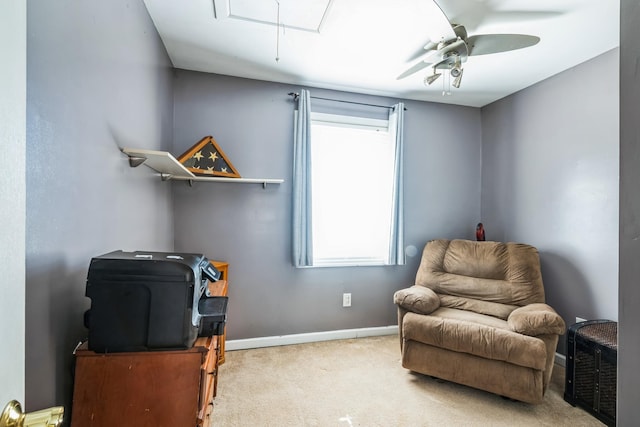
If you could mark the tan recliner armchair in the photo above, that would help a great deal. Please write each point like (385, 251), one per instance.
(477, 316)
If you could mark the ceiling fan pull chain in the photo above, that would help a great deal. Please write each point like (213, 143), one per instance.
(278, 34)
(446, 83)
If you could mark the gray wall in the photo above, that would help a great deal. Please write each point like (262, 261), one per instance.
(250, 227)
(13, 116)
(629, 292)
(550, 179)
(98, 78)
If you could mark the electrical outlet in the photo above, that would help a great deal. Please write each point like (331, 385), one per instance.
(580, 319)
(346, 300)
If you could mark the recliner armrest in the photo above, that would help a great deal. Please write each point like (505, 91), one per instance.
(417, 299)
(536, 319)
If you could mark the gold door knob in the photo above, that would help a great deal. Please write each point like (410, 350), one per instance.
(12, 416)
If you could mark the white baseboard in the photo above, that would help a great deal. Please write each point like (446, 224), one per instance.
(273, 341)
(561, 360)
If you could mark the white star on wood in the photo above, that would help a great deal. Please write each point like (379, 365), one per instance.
(213, 156)
(198, 155)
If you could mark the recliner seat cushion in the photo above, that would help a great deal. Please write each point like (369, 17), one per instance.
(501, 311)
(476, 334)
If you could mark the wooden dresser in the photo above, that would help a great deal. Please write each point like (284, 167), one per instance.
(221, 287)
(151, 388)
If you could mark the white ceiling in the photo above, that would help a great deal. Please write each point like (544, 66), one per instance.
(363, 45)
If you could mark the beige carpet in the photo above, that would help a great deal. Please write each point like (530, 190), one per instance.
(360, 382)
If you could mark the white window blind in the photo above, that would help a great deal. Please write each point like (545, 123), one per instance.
(352, 183)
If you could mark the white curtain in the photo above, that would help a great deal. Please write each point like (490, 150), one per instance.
(396, 247)
(302, 226)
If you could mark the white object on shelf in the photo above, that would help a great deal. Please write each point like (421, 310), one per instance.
(160, 161)
(170, 168)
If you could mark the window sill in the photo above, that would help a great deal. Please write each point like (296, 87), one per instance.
(347, 263)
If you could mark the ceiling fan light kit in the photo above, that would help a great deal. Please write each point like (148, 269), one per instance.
(456, 70)
(450, 47)
(432, 78)
(457, 80)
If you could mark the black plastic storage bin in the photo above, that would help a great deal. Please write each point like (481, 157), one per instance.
(591, 371)
(145, 300)
(214, 316)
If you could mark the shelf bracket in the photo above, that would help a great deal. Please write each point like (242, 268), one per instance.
(165, 176)
(135, 161)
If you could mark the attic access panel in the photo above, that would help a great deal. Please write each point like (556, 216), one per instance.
(304, 15)
(206, 158)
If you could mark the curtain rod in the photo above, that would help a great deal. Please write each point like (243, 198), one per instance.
(296, 95)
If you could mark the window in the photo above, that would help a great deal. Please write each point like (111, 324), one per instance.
(352, 177)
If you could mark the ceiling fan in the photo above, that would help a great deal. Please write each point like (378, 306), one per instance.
(450, 46)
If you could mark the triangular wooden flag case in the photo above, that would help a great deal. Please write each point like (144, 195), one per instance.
(206, 158)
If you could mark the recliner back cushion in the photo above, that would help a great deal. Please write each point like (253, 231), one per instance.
(506, 273)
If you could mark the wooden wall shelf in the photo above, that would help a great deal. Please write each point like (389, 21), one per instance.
(170, 168)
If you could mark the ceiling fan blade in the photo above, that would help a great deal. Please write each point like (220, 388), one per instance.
(476, 13)
(439, 28)
(429, 58)
(419, 53)
(416, 67)
(484, 44)
(430, 46)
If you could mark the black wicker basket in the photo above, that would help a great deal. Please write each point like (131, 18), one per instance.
(591, 372)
